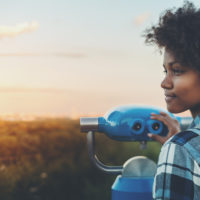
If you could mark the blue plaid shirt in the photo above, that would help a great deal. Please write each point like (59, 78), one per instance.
(178, 169)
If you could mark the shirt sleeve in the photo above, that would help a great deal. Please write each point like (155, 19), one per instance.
(174, 176)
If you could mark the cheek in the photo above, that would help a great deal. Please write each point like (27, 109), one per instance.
(188, 90)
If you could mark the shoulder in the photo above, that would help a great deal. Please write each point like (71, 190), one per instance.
(184, 144)
(178, 167)
(184, 137)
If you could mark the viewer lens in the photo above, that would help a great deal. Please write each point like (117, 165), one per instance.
(155, 126)
(137, 126)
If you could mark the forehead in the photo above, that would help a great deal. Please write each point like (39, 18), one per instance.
(168, 57)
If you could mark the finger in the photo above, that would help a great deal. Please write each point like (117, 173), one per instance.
(173, 124)
(163, 113)
(158, 138)
(165, 118)
(168, 116)
(160, 118)
(155, 115)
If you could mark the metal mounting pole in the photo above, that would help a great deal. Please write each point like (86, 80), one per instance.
(91, 150)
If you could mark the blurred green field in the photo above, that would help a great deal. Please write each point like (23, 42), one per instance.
(47, 159)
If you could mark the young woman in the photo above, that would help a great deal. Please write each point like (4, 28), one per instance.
(178, 170)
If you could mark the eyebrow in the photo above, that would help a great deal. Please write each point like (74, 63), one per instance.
(171, 63)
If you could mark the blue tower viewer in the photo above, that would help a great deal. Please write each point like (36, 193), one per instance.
(129, 123)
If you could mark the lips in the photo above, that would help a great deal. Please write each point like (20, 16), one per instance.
(169, 97)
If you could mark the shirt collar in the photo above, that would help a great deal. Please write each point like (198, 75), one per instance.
(196, 122)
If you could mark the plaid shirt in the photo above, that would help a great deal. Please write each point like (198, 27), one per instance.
(178, 169)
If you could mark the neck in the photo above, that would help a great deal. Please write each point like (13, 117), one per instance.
(195, 111)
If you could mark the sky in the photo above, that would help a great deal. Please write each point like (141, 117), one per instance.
(78, 58)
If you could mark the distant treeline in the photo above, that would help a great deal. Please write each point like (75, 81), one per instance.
(47, 159)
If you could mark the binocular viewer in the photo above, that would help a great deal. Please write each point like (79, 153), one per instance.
(130, 123)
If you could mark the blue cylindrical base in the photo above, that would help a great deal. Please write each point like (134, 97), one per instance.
(128, 188)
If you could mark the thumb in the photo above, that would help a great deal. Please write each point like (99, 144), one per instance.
(157, 138)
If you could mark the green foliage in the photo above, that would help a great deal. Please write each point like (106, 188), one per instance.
(47, 159)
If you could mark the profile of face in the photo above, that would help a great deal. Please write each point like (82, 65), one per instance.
(181, 85)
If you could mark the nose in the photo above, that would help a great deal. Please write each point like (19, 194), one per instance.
(167, 82)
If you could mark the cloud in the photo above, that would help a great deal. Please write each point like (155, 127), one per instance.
(139, 20)
(32, 90)
(18, 54)
(70, 55)
(13, 31)
(64, 55)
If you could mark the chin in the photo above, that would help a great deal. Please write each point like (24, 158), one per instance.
(175, 109)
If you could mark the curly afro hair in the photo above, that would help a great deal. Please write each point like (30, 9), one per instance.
(178, 31)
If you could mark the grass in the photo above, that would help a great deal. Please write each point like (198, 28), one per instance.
(47, 159)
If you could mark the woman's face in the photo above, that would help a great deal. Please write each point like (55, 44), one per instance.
(181, 86)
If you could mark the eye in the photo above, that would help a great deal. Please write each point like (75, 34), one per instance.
(165, 71)
(177, 71)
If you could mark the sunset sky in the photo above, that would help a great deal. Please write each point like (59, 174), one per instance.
(78, 58)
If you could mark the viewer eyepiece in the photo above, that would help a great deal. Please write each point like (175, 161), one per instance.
(155, 126)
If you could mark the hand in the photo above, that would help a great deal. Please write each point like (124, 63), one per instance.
(171, 123)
